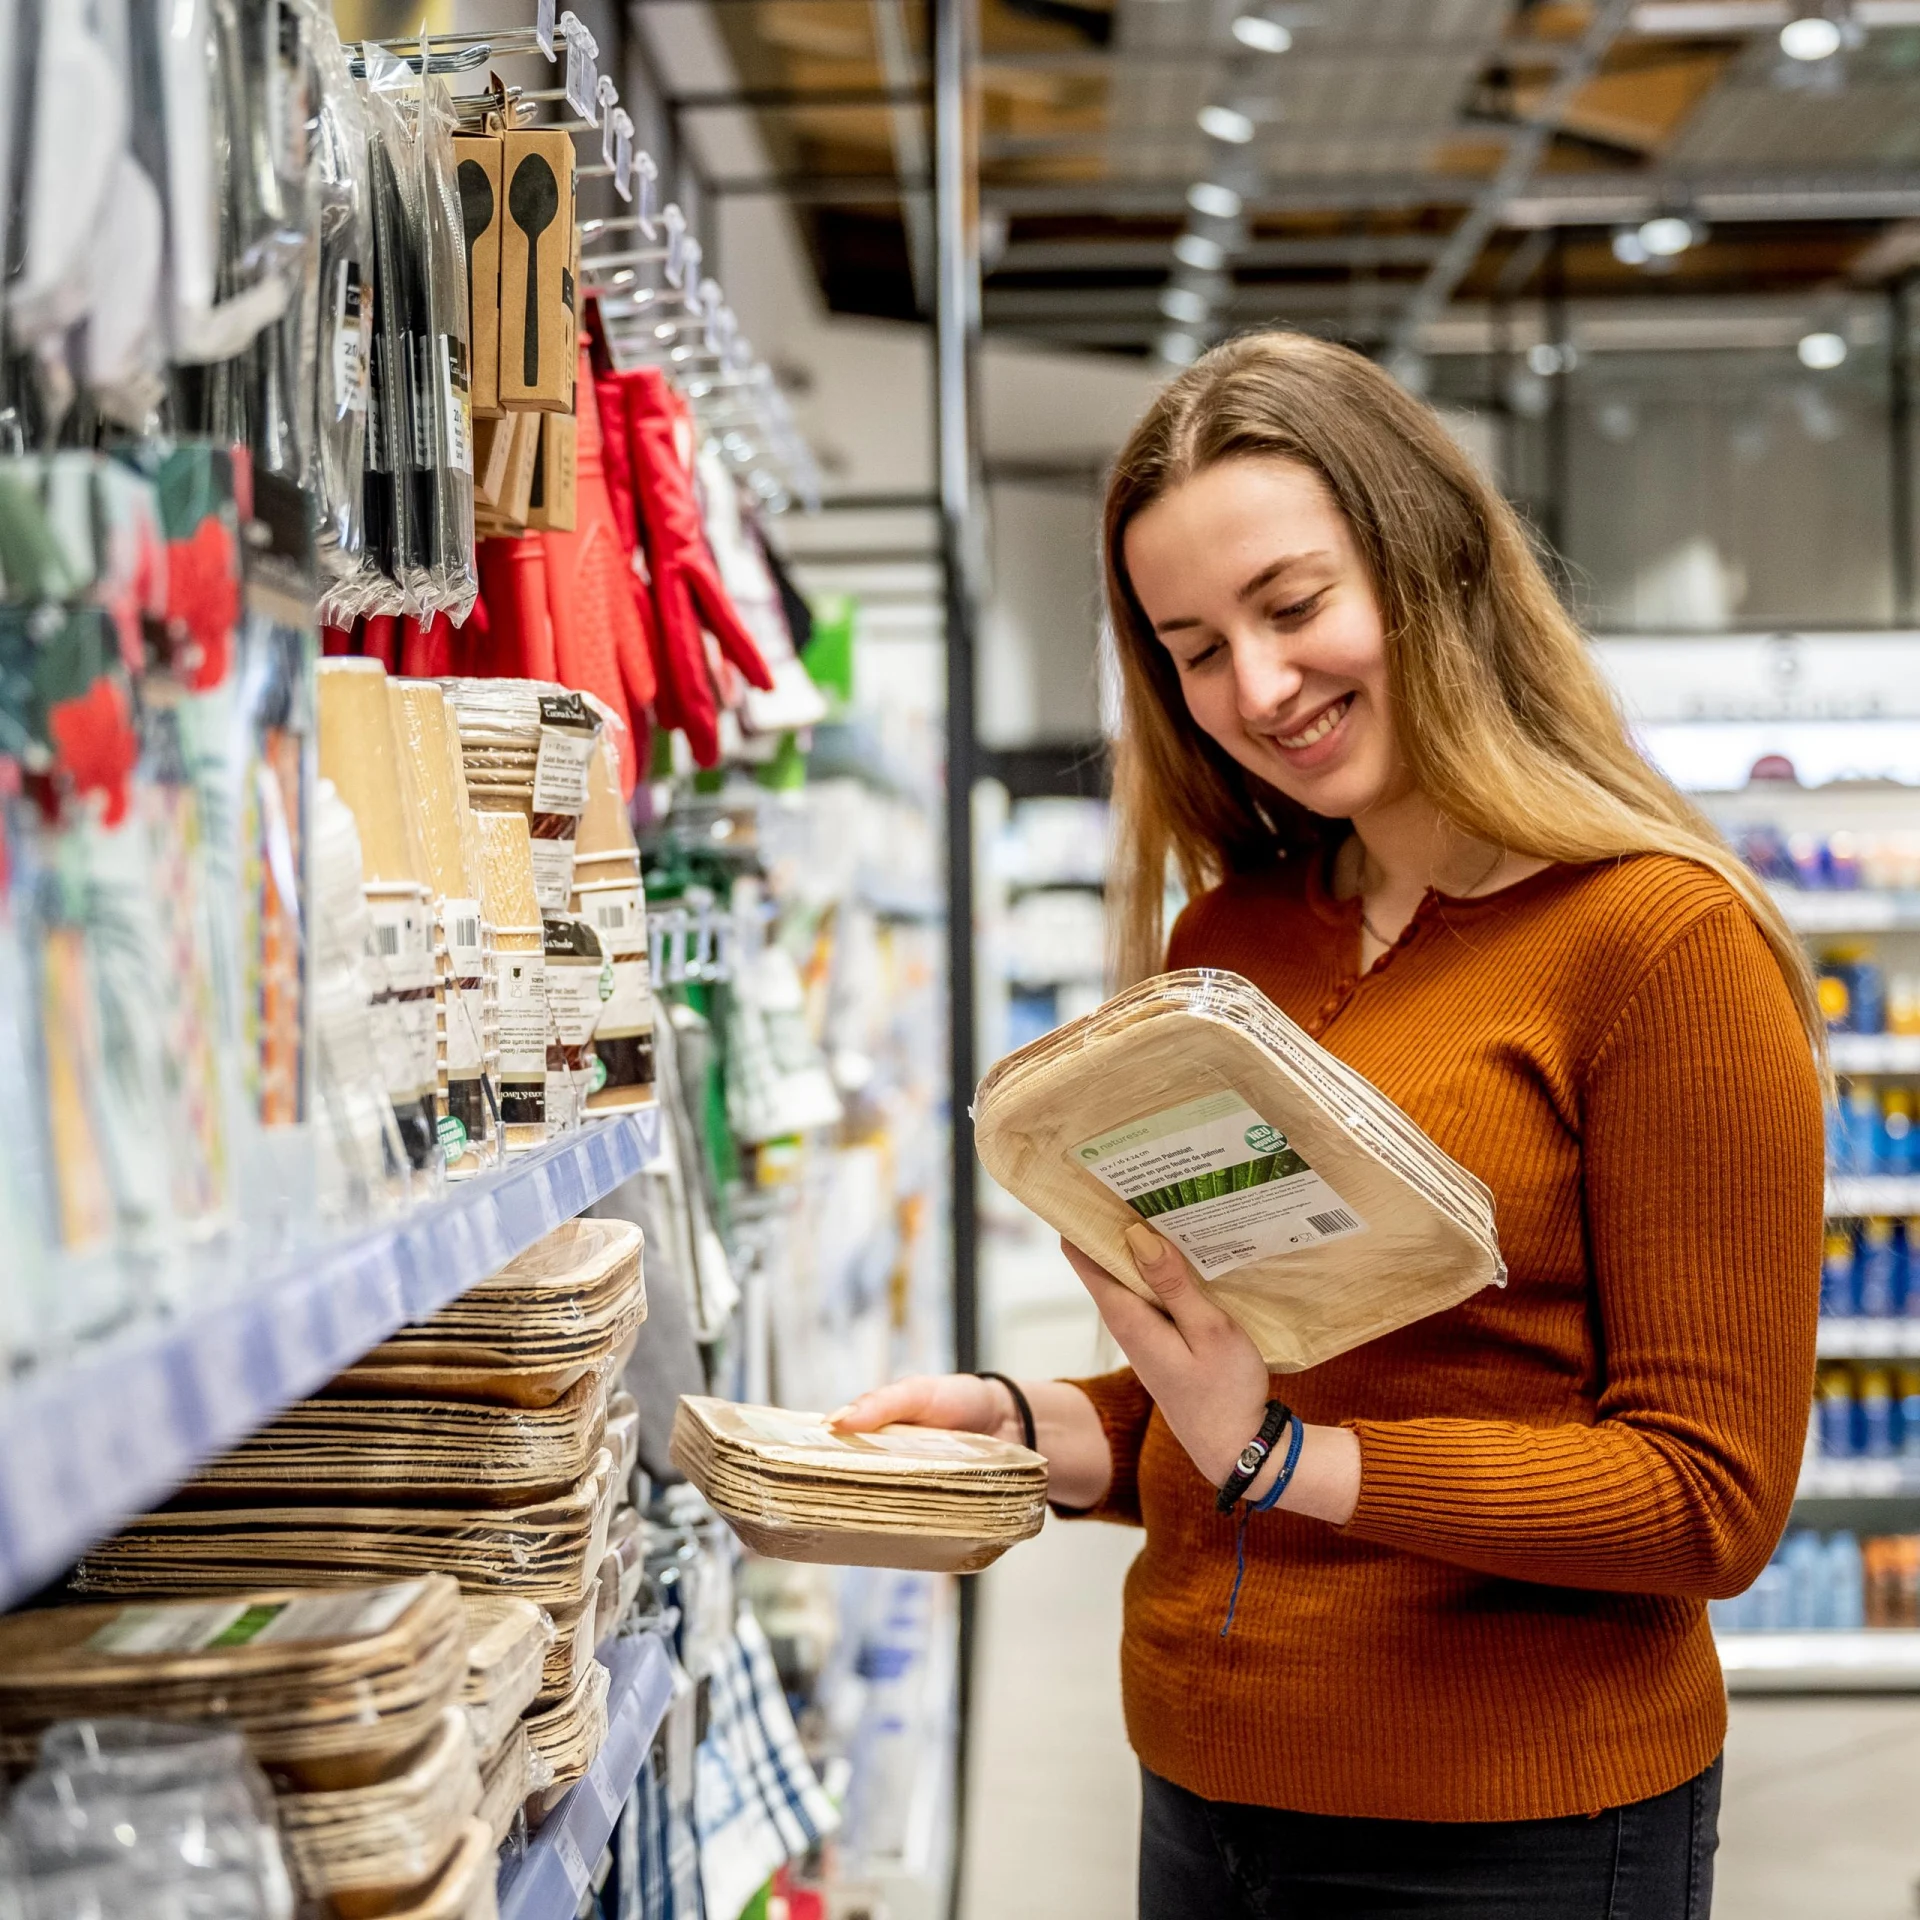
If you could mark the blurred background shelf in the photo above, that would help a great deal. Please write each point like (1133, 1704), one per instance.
(87, 1444)
(1872, 1660)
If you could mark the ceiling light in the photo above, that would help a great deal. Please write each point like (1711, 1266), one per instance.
(1666, 235)
(1226, 123)
(1207, 196)
(1196, 250)
(1627, 247)
(1262, 35)
(1184, 304)
(1821, 351)
(1814, 37)
(1178, 349)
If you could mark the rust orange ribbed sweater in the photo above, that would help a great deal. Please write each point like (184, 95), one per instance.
(1555, 1476)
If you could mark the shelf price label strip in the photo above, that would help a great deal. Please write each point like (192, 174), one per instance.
(86, 1445)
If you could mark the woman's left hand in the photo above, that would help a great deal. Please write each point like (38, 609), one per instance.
(1208, 1380)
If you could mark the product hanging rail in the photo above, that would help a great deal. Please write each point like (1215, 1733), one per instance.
(86, 1446)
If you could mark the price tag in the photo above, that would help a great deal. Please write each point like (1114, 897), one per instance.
(610, 1802)
(566, 1849)
(608, 97)
(675, 223)
(583, 70)
(622, 153)
(648, 174)
(543, 28)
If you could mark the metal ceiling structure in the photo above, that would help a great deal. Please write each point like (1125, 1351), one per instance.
(1379, 168)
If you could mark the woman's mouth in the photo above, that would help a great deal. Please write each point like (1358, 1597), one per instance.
(1316, 729)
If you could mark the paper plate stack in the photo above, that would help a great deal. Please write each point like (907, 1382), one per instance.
(568, 1305)
(505, 1782)
(331, 1689)
(368, 1850)
(507, 1643)
(564, 1739)
(550, 1552)
(466, 1888)
(400, 1449)
(794, 1488)
(1314, 1211)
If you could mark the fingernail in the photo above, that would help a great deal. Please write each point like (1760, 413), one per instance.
(1145, 1245)
(839, 1414)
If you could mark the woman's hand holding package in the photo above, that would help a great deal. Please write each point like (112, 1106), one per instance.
(1208, 1380)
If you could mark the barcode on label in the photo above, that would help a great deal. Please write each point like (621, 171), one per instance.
(610, 914)
(466, 932)
(1335, 1220)
(386, 939)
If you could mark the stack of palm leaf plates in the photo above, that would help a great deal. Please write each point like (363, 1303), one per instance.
(1313, 1210)
(549, 1552)
(402, 1449)
(330, 1689)
(465, 1889)
(506, 1650)
(565, 1308)
(794, 1488)
(505, 1782)
(367, 1850)
(565, 1739)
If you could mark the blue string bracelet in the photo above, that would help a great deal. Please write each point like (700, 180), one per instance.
(1295, 1438)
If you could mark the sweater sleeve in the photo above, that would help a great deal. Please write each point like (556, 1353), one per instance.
(1124, 1407)
(1702, 1166)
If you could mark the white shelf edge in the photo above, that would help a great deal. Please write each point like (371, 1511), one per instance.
(547, 1881)
(1867, 1660)
(89, 1444)
(1825, 1479)
(1848, 910)
(1859, 1194)
(1874, 1052)
(1843, 1337)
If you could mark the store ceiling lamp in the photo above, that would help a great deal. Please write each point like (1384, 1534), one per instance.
(1178, 349)
(1226, 123)
(1821, 351)
(1185, 305)
(1209, 197)
(1814, 36)
(1667, 235)
(1261, 34)
(1196, 250)
(1627, 247)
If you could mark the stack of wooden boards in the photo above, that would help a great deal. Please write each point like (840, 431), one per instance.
(490, 1447)
(794, 1488)
(1313, 1210)
(348, 1699)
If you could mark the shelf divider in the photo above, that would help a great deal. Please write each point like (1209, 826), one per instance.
(86, 1445)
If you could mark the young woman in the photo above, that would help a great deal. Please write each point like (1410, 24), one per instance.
(1470, 1671)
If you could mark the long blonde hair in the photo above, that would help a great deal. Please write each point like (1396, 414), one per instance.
(1501, 713)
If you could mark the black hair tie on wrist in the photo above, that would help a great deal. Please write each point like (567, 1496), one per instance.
(1021, 1406)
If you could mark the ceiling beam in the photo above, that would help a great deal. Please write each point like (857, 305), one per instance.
(1097, 254)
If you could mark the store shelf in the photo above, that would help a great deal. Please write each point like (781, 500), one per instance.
(86, 1445)
(1849, 910)
(1871, 1660)
(1859, 1197)
(1859, 1479)
(1874, 1052)
(1849, 1339)
(548, 1881)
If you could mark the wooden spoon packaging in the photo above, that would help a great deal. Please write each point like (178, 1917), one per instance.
(536, 244)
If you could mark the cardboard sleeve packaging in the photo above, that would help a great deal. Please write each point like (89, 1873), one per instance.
(553, 506)
(536, 270)
(478, 169)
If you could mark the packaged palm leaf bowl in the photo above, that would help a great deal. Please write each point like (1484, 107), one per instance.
(330, 1689)
(794, 1488)
(1314, 1211)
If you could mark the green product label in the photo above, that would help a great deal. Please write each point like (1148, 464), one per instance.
(249, 1626)
(453, 1136)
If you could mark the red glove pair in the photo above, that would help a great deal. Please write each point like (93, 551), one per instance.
(686, 584)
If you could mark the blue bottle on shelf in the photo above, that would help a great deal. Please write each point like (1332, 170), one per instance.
(1860, 1128)
(1837, 1295)
(1835, 1402)
(1804, 1562)
(1873, 1414)
(1877, 1270)
(1843, 1599)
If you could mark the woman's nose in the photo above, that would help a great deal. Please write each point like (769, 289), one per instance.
(1264, 679)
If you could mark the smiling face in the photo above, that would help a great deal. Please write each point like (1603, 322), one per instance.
(1249, 575)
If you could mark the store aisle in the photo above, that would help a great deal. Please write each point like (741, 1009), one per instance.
(1055, 1796)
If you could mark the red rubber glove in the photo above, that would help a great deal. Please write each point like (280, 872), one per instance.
(640, 667)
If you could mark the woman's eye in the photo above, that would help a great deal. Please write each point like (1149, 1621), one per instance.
(1299, 608)
(1193, 661)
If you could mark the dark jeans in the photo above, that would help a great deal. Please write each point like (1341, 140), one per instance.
(1213, 1860)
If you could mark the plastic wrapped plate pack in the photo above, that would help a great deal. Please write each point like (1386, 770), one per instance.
(1315, 1212)
(794, 1488)
(507, 1642)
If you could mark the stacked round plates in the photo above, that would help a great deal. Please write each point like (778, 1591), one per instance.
(565, 1307)
(550, 1552)
(329, 1688)
(506, 1655)
(414, 1449)
(794, 1488)
(1314, 1211)
(499, 725)
(370, 1849)
(565, 1740)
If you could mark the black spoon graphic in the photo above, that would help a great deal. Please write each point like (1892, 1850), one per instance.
(533, 199)
(476, 216)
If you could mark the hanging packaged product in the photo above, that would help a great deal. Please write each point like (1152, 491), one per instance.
(1313, 1210)
(536, 276)
(360, 754)
(478, 164)
(579, 983)
(553, 499)
(517, 968)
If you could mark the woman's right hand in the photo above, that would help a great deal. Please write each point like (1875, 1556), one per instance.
(960, 1401)
(1067, 1432)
